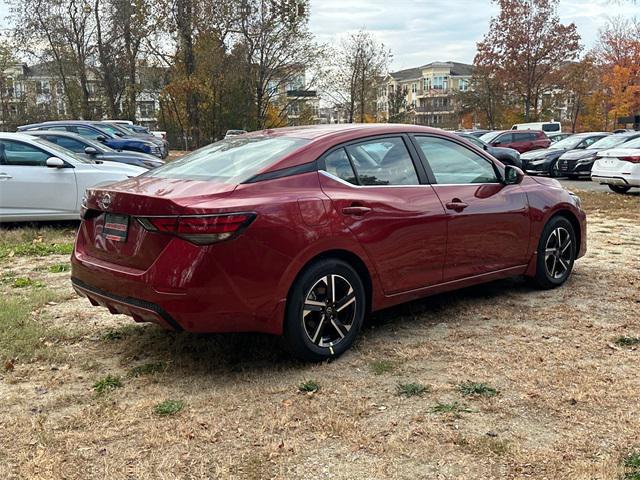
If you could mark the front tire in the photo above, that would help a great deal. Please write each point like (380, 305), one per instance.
(553, 169)
(557, 251)
(325, 310)
(619, 188)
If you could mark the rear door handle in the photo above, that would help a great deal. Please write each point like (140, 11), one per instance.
(456, 204)
(5, 176)
(356, 210)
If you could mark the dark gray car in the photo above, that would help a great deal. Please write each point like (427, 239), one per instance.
(95, 150)
(508, 156)
(545, 161)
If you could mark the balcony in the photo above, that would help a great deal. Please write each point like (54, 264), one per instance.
(298, 93)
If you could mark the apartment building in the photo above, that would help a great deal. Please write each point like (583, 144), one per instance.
(34, 93)
(294, 103)
(429, 93)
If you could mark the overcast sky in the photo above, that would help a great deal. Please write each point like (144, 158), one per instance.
(423, 31)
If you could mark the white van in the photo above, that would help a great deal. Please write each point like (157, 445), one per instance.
(547, 127)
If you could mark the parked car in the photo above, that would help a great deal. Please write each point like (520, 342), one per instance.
(129, 125)
(474, 133)
(556, 137)
(234, 133)
(546, 161)
(546, 127)
(619, 168)
(301, 232)
(94, 150)
(577, 163)
(125, 131)
(522, 141)
(41, 181)
(98, 131)
(508, 156)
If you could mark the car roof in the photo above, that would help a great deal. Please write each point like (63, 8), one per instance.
(58, 133)
(324, 137)
(16, 136)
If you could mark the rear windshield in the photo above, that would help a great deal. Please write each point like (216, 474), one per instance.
(233, 160)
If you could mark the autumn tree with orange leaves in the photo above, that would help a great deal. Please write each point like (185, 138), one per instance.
(618, 53)
(524, 50)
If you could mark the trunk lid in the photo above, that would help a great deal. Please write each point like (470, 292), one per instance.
(110, 230)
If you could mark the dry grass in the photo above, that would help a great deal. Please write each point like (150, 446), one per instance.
(229, 406)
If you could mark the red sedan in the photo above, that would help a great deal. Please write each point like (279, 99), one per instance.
(302, 232)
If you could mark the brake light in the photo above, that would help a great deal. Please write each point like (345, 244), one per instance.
(199, 229)
(632, 159)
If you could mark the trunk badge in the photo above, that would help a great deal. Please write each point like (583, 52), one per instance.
(105, 202)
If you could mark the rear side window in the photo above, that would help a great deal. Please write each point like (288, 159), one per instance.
(234, 160)
(87, 132)
(383, 162)
(337, 164)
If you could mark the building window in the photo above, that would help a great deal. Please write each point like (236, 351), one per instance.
(42, 87)
(463, 85)
(414, 87)
(426, 84)
(147, 109)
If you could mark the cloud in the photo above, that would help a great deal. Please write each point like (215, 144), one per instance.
(422, 31)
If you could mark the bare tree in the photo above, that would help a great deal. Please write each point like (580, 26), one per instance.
(359, 63)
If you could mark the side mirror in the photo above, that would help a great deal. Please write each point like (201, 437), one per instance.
(55, 162)
(101, 138)
(90, 151)
(485, 147)
(512, 175)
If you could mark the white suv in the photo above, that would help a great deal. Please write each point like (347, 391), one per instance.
(619, 167)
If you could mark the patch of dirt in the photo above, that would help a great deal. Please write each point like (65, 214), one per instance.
(567, 404)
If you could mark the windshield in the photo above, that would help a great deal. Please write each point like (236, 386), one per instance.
(230, 161)
(113, 129)
(568, 143)
(476, 141)
(635, 143)
(488, 137)
(62, 152)
(609, 142)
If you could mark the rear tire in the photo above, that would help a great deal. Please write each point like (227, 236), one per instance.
(557, 250)
(325, 311)
(619, 188)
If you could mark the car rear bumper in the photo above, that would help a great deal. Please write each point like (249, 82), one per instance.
(182, 290)
(625, 174)
(140, 310)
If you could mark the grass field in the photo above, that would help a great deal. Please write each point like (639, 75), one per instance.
(497, 381)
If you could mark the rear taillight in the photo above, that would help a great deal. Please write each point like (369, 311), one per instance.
(199, 229)
(632, 159)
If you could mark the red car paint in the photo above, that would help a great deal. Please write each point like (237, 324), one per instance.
(522, 140)
(409, 241)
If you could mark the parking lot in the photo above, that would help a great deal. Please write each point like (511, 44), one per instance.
(497, 380)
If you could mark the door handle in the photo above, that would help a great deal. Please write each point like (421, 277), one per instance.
(5, 176)
(456, 204)
(357, 210)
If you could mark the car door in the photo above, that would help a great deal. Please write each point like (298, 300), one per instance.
(522, 141)
(28, 188)
(488, 222)
(385, 201)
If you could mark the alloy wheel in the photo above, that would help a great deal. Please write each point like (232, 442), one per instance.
(558, 253)
(329, 310)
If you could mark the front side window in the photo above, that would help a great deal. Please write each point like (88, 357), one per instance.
(452, 163)
(69, 143)
(18, 153)
(383, 162)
